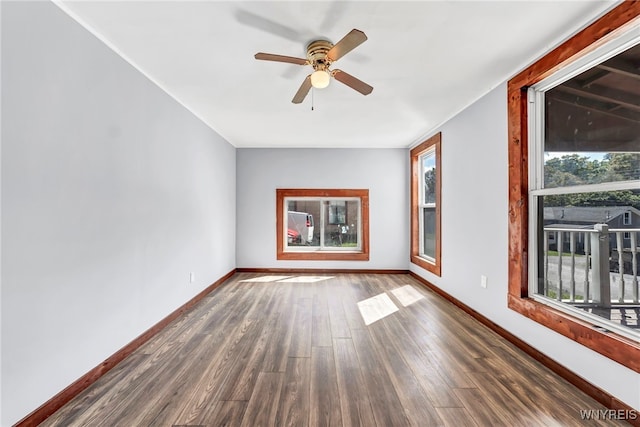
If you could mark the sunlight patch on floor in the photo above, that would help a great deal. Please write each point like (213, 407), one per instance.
(407, 295)
(306, 279)
(265, 279)
(375, 308)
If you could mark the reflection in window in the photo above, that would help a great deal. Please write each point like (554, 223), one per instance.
(341, 224)
(301, 222)
(318, 223)
(591, 125)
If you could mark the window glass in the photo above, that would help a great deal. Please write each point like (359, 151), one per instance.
(566, 250)
(429, 232)
(341, 224)
(323, 224)
(429, 177)
(592, 123)
(301, 230)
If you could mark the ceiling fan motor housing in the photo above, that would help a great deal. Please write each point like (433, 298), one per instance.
(317, 54)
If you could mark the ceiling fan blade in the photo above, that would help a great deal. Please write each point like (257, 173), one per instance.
(280, 58)
(352, 82)
(302, 92)
(349, 42)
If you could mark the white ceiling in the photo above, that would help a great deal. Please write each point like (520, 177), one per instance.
(427, 60)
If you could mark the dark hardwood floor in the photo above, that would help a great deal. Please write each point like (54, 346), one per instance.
(300, 354)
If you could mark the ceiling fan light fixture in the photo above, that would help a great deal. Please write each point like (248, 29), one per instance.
(321, 54)
(320, 79)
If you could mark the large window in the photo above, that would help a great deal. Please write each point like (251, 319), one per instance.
(425, 204)
(574, 171)
(322, 224)
(584, 162)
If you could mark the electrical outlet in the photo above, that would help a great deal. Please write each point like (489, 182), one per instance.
(483, 281)
(192, 277)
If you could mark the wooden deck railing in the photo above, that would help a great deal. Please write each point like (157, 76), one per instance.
(597, 266)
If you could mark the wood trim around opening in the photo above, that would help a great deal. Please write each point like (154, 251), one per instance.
(324, 255)
(609, 344)
(433, 267)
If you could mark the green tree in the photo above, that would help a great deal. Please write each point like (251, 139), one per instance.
(430, 186)
(573, 169)
(622, 166)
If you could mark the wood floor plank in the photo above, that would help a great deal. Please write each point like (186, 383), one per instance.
(277, 352)
(226, 413)
(337, 313)
(325, 403)
(497, 397)
(245, 373)
(537, 387)
(301, 336)
(150, 386)
(350, 299)
(448, 368)
(456, 417)
(298, 353)
(354, 396)
(479, 408)
(428, 375)
(387, 408)
(412, 391)
(295, 398)
(170, 395)
(231, 341)
(320, 325)
(463, 354)
(222, 368)
(221, 375)
(263, 405)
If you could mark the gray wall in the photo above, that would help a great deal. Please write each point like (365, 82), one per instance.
(475, 242)
(112, 193)
(385, 172)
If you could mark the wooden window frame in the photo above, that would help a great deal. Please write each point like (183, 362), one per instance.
(618, 348)
(415, 153)
(323, 255)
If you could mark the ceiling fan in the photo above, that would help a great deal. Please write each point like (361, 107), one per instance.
(320, 55)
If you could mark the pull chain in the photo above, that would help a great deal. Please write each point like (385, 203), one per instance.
(312, 92)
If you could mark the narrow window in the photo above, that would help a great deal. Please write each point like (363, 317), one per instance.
(425, 204)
